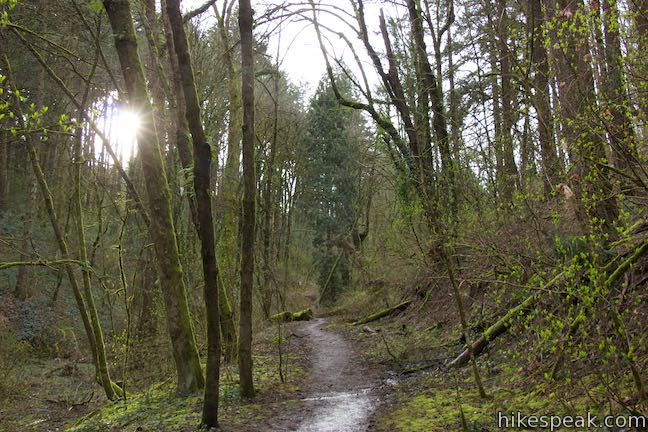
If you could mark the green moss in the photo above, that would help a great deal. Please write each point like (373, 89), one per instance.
(159, 409)
(438, 408)
(156, 409)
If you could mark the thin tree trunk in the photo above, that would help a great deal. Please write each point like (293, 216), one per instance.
(510, 179)
(205, 224)
(185, 352)
(147, 321)
(23, 289)
(268, 202)
(541, 98)
(112, 390)
(615, 98)
(640, 14)
(249, 185)
(464, 322)
(65, 254)
(455, 120)
(497, 119)
(228, 208)
(101, 367)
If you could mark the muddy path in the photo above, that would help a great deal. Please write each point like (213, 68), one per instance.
(339, 395)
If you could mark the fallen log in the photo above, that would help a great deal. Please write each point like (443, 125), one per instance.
(384, 312)
(501, 326)
(287, 316)
(580, 318)
(504, 323)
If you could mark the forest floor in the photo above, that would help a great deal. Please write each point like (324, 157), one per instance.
(386, 376)
(327, 387)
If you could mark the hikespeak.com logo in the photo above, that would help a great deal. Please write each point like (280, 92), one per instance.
(589, 421)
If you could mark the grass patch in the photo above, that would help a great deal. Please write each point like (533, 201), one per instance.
(159, 409)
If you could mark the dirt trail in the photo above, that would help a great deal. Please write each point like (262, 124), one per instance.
(339, 393)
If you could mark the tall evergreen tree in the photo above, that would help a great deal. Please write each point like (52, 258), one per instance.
(332, 143)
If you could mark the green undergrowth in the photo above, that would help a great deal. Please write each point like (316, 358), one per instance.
(415, 346)
(436, 403)
(159, 409)
(155, 409)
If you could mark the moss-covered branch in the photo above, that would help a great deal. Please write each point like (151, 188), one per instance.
(502, 325)
(42, 263)
(384, 312)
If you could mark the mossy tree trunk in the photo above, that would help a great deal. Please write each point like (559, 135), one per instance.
(577, 99)
(228, 205)
(204, 223)
(99, 360)
(185, 352)
(112, 391)
(615, 97)
(4, 169)
(183, 144)
(541, 99)
(91, 328)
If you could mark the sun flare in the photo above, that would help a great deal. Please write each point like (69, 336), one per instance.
(125, 125)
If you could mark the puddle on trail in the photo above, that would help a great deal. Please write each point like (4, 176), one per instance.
(340, 411)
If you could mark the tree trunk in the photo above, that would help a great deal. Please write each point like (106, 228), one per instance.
(640, 14)
(439, 121)
(147, 321)
(226, 315)
(510, 178)
(496, 93)
(249, 185)
(112, 391)
(268, 203)
(23, 288)
(227, 209)
(615, 101)
(541, 98)
(205, 224)
(577, 102)
(185, 352)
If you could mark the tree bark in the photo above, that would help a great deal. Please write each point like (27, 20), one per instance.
(23, 289)
(249, 185)
(112, 391)
(183, 143)
(185, 352)
(577, 102)
(227, 209)
(541, 98)
(640, 14)
(268, 202)
(205, 224)
(615, 98)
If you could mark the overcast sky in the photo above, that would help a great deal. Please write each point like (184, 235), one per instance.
(297, 45)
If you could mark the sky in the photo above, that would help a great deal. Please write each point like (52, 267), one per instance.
(296, 42)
